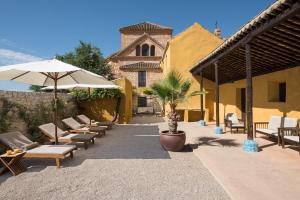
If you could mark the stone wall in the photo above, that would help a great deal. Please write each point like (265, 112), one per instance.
(30, 99)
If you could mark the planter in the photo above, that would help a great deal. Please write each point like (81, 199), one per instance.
(172, 142)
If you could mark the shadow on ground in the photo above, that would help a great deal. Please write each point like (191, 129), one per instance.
(213, 141)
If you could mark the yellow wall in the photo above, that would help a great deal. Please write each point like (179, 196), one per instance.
(262, 107)
(104, 109)
(185, 50)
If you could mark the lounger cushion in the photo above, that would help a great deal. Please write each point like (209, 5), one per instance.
(49, 130)
(84, 119)
(16, 140)
(267, 131)
(290, 122)
(72, 123)
(52, 149)
(274, 123)
(78, 137)
(292, 138)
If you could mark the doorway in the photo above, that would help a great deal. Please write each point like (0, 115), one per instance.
(241, 101)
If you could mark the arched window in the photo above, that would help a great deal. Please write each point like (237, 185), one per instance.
(152, 50)
(145, 50)
(138, 50)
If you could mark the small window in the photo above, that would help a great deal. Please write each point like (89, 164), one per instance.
(142, 78)
(277, 91)
(138, 50)
(142, 101)
(145, 50)
(152, 50)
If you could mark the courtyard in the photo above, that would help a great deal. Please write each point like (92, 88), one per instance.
(129, 163)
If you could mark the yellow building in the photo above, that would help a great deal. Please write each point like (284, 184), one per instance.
(181, 52)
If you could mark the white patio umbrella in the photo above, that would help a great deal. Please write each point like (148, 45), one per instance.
(50, 73)
(108, 85)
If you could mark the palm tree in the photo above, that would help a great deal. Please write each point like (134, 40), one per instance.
(173, 89)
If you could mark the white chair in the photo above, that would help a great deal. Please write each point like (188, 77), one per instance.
(290, 132)
(231, 120)
(270, 128)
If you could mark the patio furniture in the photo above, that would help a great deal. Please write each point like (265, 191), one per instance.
(16, 140)
(290, 132)
(65, 137)
(12, 163)
(270, 128)
(76, 127)
(84, 119)
(231, 121)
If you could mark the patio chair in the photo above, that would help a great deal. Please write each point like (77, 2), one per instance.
(16, 140)
(290, 132)
(76, 127)
(270, 128)
(84, 119)
(65, 137)
(231, 121)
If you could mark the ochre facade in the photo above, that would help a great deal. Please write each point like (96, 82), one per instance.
(182, 52)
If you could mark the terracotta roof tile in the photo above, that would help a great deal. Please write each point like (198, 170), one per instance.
(141, 65)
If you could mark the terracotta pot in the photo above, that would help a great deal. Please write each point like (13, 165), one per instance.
(172, 142)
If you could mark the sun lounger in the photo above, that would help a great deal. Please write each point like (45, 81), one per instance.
(84, 119)
(270, 128)
(76, 127)
(65, 137)
(231, 120)
(16, 140)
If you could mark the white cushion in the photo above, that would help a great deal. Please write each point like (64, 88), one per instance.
(290, 122)
(52, 149)
(238, 125)
(292, 138)
(232, 117)
(274, 123)
(267, 131)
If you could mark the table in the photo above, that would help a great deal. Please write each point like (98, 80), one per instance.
(12, 163)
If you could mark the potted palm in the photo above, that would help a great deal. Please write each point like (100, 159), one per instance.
(173, 89)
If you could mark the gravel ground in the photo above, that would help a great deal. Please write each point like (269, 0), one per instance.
(128, 163)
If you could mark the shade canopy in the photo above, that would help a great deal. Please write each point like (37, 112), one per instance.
(43, 73)
(109, 85)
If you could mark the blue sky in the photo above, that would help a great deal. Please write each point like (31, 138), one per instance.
(39, 29)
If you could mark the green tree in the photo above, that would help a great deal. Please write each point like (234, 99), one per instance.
(35, 88)
(173, 89)
(88, 57)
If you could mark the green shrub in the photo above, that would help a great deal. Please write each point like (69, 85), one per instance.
(83, 95)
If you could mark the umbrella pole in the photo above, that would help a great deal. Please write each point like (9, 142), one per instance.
(89, 91)
(55, 108)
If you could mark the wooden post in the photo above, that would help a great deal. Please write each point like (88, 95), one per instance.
(55, 106)
(217, 94)
(201, 96)
(249, 91)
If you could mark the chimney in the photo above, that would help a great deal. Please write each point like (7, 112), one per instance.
(217, 31)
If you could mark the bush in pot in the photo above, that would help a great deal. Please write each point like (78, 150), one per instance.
(173, 89)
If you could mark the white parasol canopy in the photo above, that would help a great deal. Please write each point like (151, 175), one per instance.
(50, 73)
(83, 86)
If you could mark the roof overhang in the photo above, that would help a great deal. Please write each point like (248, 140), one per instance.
(274, 36)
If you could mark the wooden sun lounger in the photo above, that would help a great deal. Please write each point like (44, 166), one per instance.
(16, 140)
(84, 119)
(75, 126)
(65, 137)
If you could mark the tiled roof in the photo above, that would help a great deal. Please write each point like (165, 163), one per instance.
(145, 26)
(141, 65)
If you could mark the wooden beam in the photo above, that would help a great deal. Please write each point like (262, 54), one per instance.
(217, 94)
(201, 96)
(248, 37)
(249, 91)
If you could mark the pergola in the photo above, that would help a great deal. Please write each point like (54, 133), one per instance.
(269, 42)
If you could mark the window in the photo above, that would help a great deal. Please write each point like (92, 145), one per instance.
(142, 101)
(138, 50)
(277, 91)
(142, 79)
(145, 50)
(152, 50)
